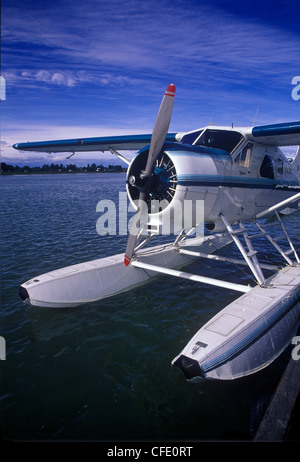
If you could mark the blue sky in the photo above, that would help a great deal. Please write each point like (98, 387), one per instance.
(93, 68)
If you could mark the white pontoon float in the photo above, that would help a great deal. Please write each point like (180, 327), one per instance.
(252, 331)
(241, 339)
(98, 279)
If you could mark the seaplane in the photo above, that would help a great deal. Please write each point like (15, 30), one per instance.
(235, 185)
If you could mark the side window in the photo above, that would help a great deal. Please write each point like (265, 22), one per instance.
(267, 167)
(244, 158)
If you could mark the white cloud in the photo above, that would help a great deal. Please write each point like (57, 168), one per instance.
(170, 39)
(56, 78)
(220, 63)
(27, 78)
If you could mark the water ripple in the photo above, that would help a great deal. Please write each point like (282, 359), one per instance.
(102, 371)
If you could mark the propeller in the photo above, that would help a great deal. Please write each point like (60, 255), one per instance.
(159, 134)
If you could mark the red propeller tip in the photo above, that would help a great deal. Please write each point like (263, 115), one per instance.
(171, 90)
(126, 260)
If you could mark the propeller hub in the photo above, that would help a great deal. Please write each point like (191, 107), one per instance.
(161, 185)
(132, 180)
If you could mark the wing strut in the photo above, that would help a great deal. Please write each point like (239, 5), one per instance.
(192, 277)
(116, 153)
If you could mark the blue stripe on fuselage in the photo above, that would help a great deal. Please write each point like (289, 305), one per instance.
(231, 181)
(255, 335)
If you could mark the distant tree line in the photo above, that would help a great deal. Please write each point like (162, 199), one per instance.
(60, 168)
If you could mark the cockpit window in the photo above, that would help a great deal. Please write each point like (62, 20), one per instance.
(189, 138)
(219, 139)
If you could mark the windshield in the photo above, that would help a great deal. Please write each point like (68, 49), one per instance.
(220, 139)
(189, 138)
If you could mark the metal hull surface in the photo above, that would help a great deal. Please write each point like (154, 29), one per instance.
(248, 334)
(97, 279)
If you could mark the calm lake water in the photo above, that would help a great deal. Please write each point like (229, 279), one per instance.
(103, 371)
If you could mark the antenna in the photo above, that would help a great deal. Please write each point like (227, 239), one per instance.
(255, 114)
(210, 122)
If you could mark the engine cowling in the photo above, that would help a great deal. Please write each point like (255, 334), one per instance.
(178, 197)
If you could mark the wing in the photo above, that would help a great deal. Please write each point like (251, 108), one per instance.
(106, 143)
(284, 134)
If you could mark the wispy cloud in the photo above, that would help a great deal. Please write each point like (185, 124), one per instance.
(66, 79)
(170, 39)
(56, 78)
(109, 62)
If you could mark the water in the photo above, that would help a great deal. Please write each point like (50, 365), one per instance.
(103, 371)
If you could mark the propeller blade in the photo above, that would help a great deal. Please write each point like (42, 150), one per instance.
(142, 206)
(161, 128)
(159, 134)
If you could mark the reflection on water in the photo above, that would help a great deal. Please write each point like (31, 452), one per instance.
(103, 371)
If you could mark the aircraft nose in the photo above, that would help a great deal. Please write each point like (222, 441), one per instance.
(23, 293)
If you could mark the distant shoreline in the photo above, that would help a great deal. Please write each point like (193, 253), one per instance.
(55, 173)
(55, 169)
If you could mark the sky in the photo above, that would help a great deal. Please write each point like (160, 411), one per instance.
(76, 69)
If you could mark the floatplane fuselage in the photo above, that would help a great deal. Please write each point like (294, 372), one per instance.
(218, 177)
(227, 169)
